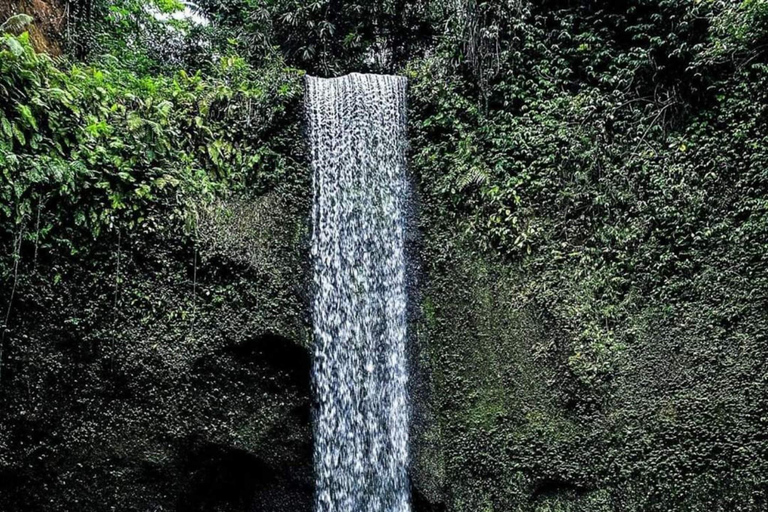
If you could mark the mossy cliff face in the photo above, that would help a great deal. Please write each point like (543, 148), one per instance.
(169, 376)
(607, 351)
(594, 271)
(515, 428)
(154, 351)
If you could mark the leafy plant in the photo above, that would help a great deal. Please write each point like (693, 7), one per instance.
(88, 148)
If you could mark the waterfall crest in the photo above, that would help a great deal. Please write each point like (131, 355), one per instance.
(358, 142)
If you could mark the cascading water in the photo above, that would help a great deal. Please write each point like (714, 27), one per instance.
(358, 142)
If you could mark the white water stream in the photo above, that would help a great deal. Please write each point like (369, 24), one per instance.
(358, 141)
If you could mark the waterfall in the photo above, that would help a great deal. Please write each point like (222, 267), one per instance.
(357, 139)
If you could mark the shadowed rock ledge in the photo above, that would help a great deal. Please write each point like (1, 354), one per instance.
(185, 386)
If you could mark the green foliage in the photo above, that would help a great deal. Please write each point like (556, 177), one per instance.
(327, 37)
(88, 148)
(149, 36)
(739, 30)
(584, 151)
(608, 160)
(16, 23)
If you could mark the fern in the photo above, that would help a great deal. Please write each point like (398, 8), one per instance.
(16, 23)
(475, 176)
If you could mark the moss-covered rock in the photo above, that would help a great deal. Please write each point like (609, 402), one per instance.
(164, 375)
(518, 427)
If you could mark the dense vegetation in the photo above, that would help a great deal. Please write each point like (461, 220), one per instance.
(593, 192)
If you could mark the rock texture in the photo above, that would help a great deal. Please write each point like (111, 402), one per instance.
(163, 375)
